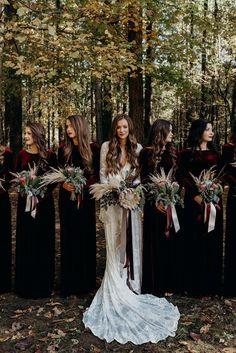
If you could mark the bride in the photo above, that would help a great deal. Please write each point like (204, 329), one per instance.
(118, 311)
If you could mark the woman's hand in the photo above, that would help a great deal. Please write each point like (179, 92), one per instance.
(161, 207)
(198, 199)
(68, 187)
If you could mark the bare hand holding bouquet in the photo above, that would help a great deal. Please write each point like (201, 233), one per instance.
(70, 174)
(210, 190)
(163, 190)
(29, 184)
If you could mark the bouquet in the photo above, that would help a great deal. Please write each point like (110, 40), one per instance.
(70, 174)
(29, 183)
(119, 191)
(164, 190)
(210, 190)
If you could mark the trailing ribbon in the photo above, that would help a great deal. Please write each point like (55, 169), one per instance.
(80, 197)
(31, 202)
(210, 216)
(172, 217)
(126, 245)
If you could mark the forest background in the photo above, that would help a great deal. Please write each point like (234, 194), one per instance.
(149, 58)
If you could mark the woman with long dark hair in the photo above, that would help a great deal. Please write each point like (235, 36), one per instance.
(35, 234)
(118, 312)
(203, 246)
(228, 157)
(162, 257)
(78, 224)
(6, 166)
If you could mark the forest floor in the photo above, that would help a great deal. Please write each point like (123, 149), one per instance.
(55, 324)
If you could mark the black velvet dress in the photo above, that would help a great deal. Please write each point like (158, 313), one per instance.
(162, 255)
(203, 250)
(5, 224)
(229, 289)
(35, 237)
(78, 231)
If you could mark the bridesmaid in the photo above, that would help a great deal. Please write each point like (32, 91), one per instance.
(203, 249)
(78, 225)
(229, 156)
(162, 272)
(6, 165)
(35, 237)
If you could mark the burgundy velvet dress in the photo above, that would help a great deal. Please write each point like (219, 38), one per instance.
(229, 288)
(78, 231)
(162, 255)
(35, 237)
(5, 225)
(203, 250)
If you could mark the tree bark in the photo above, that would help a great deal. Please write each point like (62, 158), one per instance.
(135, 78)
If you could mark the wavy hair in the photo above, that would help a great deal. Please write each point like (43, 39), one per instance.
(157, 139)
(81, 129)
(39, 137)
(113, 157)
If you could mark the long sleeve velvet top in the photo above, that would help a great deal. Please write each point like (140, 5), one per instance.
(76, 160)
(194, 162)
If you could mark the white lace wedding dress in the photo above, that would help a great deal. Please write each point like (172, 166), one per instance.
(117, 312)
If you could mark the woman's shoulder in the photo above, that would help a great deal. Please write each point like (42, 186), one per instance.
(95, 147)
(228, 146)
(139, 148)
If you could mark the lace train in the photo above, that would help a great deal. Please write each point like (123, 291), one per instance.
(116, 312)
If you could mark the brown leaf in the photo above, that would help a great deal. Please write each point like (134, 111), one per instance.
(229, 350)
(205, 328)
(195, 336)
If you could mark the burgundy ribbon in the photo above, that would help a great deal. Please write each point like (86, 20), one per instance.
(169, 221)
(126, 256)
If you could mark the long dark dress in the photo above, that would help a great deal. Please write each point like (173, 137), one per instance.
(228, 156)
(203, 250)
(78, 231)
(35, 237)
(5, 224)
(162, 257)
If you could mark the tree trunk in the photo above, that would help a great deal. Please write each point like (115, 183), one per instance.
(13, 97)
(203, 107)
(135, 79)
(98, 109)
(107, 110)
(148, 88)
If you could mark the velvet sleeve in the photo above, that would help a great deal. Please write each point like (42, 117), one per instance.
(144, 165)
(183, 175)
(6, 168)
(94, 176)
(229, 174)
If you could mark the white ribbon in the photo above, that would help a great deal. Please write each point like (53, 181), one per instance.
(123, 237)
(212, 216)
(175, 217)
(31, 202)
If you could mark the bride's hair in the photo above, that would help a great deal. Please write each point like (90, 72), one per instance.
(113, 157)
(81, 129)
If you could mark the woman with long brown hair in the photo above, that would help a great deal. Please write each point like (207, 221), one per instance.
(161, 252)
(229, 157)
(78, 223)
(6, 166)
(35, 235)
(118, 312)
